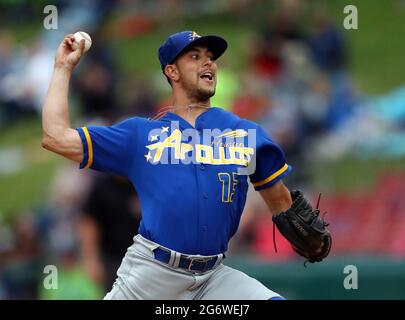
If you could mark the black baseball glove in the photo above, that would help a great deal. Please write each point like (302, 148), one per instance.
(304, 229)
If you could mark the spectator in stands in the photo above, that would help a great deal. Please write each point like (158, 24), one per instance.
(21, 265)
(96, 81)
(110, 220)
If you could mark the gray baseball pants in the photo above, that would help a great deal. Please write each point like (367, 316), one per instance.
(141, 276)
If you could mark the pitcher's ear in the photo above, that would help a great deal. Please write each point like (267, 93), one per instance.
(172, 72)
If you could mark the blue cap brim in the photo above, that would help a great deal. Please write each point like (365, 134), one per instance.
(215, 44)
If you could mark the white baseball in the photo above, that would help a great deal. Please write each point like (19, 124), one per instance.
(78, 37)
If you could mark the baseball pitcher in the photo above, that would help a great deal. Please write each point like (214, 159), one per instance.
(191, 165)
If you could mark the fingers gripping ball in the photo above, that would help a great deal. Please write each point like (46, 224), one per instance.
(80, 35)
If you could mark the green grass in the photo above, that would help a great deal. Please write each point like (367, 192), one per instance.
(29, 186)
(21, 133)
(353, 175)
(139, 55)
(376, 48)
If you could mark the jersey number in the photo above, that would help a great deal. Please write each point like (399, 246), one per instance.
(228, 185)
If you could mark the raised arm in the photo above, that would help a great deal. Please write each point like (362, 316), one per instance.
(57, 135)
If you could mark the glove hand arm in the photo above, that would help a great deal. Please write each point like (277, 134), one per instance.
(277, 198)
(304, 229)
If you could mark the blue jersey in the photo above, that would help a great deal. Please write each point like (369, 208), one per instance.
(192, 181)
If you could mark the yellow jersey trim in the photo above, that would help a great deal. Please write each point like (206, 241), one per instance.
(272, 177)
(89, 148)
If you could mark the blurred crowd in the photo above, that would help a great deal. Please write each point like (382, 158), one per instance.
(295, 85)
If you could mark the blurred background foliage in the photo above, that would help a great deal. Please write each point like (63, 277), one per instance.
(375, 64)
(359, 157)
